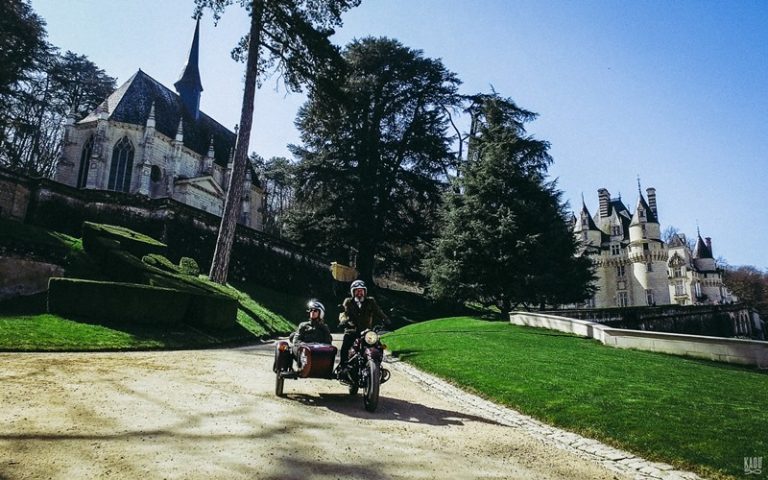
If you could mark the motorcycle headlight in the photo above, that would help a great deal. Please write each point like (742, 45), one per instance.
(371, 338)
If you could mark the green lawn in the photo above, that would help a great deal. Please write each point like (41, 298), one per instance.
(696, 415)
(47, 332)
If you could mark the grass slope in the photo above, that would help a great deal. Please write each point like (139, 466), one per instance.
(697, 415)
(25, 322)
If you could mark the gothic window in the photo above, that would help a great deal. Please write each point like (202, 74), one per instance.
(121, 170)
(620, 271)
(649, 267)
(85, 163)
(616, 230)
(641, 212)
(677, 272)
(615, 249)
(649, 297)
(679, 288)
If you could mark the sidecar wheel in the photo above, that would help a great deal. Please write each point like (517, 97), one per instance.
(279, 385)
(371, 387)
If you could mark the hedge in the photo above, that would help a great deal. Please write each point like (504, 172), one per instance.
(143, 304)
(112, 301)
(130, 241)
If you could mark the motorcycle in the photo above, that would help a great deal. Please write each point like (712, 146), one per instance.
(316, 360)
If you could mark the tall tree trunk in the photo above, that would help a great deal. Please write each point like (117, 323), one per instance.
(232, 204)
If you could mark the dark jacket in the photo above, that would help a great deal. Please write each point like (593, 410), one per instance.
(309, 332)
(359, 318)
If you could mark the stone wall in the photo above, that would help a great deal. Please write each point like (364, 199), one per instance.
(188, 232)
(729, 350)
(712, 320)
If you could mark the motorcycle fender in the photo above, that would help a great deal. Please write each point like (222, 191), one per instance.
(283, 357)
(374, 353)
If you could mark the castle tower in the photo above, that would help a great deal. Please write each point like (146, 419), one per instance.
(586, 229)
(189, 85)
(648, 255)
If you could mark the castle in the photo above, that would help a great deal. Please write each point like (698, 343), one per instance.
(635, 267)
(148, 140)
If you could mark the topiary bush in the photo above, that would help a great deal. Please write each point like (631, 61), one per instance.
(188, 266)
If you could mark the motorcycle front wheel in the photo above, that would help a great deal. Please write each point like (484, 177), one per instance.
(371, 387)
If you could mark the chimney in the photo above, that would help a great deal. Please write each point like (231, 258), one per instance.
(605, 199)
(652, 200)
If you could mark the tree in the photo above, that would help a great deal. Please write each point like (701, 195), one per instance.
(278, 180)
(374, 147)
(750, 285)
(291, 36)
(22, 42)
(505, 238)
(62, 85)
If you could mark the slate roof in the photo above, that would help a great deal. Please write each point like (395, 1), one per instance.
(701, 250)
(132, 101)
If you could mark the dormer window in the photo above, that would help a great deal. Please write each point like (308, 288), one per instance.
(616, 230)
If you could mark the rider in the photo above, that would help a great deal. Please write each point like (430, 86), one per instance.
(360, 312)
(312, 331)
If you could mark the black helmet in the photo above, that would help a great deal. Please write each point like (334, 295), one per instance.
(315, 305)
(357, 284)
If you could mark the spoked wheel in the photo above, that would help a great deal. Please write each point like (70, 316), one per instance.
(371, 387)
(279, 380)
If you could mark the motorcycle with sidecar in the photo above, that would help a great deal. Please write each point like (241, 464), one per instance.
(316, 360)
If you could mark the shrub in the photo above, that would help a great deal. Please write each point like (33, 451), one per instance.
(111, 301)
(160, 262)
(188, 266)
(133, 242)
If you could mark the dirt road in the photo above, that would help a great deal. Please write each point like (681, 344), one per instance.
(213, 414)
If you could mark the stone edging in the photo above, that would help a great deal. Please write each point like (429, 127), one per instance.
(611, 458)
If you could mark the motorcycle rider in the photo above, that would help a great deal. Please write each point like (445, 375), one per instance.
(360, 312)
(313, 330)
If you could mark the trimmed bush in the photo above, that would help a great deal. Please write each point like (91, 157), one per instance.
(111, 301)
(133, 242)
(160, 262)
(212, 311)
(188, 266)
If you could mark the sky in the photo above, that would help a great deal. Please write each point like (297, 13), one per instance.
(673, 93)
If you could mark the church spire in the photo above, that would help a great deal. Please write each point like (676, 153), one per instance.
(189, 85)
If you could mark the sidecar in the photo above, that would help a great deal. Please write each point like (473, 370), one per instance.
(315, 360)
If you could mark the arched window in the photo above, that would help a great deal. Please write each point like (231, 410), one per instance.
(122, 166)
(85, 163)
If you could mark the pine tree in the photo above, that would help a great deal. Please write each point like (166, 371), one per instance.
(505, 240)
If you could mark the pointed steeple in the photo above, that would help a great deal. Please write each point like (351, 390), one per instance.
(189, 85)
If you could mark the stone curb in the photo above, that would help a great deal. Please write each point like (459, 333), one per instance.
(611, 458)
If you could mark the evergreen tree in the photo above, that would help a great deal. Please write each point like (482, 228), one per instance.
(505, 239)
(374, 149)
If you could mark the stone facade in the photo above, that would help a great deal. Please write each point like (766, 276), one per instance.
(635, 267)
(145, 139)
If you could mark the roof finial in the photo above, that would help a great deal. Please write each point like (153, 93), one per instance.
(639, 189)
(582, 199)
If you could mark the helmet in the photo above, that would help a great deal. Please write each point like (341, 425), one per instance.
(315, 305)
(357, 284)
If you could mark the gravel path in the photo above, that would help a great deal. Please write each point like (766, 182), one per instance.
(213, 414)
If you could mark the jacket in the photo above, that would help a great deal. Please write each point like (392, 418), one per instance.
(359, 318)
(309, 332)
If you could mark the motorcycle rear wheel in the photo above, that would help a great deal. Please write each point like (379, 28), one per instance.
(279, 384)
(371, 387)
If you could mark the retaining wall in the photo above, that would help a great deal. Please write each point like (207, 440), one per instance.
(729, 350)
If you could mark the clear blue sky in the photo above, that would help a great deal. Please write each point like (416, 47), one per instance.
(673, 91)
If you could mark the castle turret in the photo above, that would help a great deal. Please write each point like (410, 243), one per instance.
(586, 229)
(189, 85)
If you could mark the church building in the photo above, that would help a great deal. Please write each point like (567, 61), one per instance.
(146, 139)
(635, 267)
